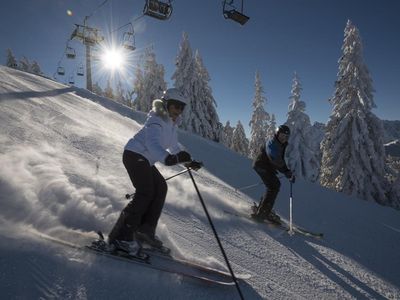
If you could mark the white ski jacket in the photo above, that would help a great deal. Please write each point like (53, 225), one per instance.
(158, 137)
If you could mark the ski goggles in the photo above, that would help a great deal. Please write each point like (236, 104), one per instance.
(177, 104)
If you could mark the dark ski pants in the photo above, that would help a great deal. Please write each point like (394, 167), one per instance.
(142, 213)
(273, 185)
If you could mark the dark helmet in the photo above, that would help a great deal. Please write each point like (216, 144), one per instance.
(283, 129)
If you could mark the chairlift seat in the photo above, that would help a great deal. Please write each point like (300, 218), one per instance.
(129, 47)
(129, 41)
(80, 70)
(236, 16)
(157, 9)
(70, 53)
(60, 71)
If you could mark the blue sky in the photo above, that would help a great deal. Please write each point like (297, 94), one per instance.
(281, 37)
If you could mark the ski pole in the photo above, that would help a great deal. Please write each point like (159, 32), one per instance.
(128, 196)
(248, 187)
(291, 232)
(216, 235)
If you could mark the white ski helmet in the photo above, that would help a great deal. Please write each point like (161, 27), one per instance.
(174, 95)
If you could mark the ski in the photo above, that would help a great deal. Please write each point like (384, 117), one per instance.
(284, 225)
(155, 262)
(165, 253)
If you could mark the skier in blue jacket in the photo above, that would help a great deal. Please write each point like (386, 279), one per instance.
(271, 159)
(155, 142)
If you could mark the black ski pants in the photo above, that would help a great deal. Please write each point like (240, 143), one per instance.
(142, 213)
(272, 184)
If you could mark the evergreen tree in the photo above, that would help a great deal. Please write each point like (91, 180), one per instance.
(97, 89)
(204, 118)
(259, 120)
(149, 83)
(240, 143)
(227, 135)
(138, 90)
(35, 68)
(353, 156)
(271, 130)
(301, 157)
(108, 91)
(11, 61)
(24, 64)
(120, 93)
(184, 77)
(395, 193)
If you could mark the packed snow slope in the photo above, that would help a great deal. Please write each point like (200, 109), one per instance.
(61, 175)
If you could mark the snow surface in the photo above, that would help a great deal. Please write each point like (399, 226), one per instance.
(61, 175)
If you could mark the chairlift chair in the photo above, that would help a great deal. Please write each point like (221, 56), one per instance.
(158, 9)
(80, 70)
(230, 12)
(129, 41)
(60, 71)
(70, 52)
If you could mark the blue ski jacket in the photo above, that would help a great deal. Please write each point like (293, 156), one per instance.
(272, 156)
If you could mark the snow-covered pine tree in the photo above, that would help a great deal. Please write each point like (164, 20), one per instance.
(395, 193)
(271, 129)
(108, 91)
(35, 68)
(353, 156)
(97, 89)
(24, 64)
(138, 90)
(205, 120)
(259, 120)
(240, 143)
(120, 93)
(301, 157)
(149, 83)
(11, 61)
(227, 134)
(184, 78)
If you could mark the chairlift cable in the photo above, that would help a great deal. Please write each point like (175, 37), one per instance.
(98, 7)
(129, 23)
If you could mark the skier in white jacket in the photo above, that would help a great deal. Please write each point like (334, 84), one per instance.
(155, 142)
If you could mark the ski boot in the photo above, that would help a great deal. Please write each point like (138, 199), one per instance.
(152, 243)
(274, 218)
(130, 248)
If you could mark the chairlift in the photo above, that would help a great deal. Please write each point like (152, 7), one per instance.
(80, 70)
(60, 71)
(161, 10)
(88, 35)
(230, 12)
(129, 40)
(71, 79)
(70, 52)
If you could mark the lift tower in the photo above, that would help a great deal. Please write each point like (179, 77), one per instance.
(89, 37)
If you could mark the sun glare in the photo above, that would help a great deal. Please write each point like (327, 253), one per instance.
(113, 59)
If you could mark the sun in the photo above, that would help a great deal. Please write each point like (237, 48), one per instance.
(113, 59)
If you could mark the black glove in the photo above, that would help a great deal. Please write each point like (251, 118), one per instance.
(288, 174)
(173, 159)
(183, 156)
(194, 165)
